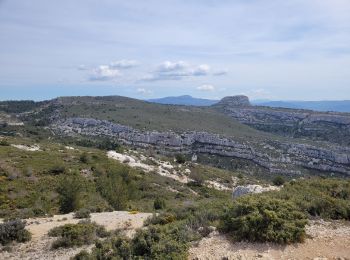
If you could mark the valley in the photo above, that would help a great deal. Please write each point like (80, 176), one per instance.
(179, 169)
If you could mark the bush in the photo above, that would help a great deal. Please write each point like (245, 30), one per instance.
(82, 255)
(82, 213)
(84, 158)
(262, 219)
(3, 142)
(278, 181)
(69, 190)
(13, 231)
(180, 158)
(71, 235)
(116, 187)
(161, 219)
(325, 198)
(159, 203)
(153, 243)
(197, 178)
(57, 169)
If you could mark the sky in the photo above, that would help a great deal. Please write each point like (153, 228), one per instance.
(265, 49)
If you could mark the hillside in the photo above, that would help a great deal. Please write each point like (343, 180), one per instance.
(207, 131)
(333, 127)
(81, 174)
(150, 116)
(184, 100)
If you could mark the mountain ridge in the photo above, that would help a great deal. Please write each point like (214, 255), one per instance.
(321, 105)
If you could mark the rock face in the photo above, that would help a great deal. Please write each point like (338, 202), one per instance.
(233, 101)
(243, 190)
(276, 157)
(325, 126)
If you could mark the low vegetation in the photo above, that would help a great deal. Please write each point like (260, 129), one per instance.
(82, 213)
(318, 197)
(13, 230)
(83, 180)
(180, 158)
(261, 219)
(281, 216)
(278, 181)
(4, 142)
(71, 235)
(159, 203)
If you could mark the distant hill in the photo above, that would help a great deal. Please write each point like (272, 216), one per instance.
(336, 106)
(184, 100)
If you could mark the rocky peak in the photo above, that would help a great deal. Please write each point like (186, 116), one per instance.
(234, 101)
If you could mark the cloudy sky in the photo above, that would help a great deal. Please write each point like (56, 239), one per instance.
(266, 49)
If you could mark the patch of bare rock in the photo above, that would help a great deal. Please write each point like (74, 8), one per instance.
(243, 190)
(163, 168)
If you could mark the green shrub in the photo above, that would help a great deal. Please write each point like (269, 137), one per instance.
(3, 142)
(162, 242)
(180, 158)
(69, 190)
(278, 181)
(57, 169)
(116, 187)
(84, 158)
(326, 198)
(159, 203)
(82, 213)
(13, 231)
(71, 235)
(197, 178)
(161, 219)
(82, 255)
(260, 219)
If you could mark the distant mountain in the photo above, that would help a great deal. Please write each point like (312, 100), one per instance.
(184, 100)
(337, 106)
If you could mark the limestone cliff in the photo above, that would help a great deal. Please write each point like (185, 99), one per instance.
(277, 157)
(324, 126)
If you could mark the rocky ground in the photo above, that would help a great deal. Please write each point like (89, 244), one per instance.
(40, 245)
(328, 240)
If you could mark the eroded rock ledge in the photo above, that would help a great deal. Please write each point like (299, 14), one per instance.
(277, 157)
(325, 126)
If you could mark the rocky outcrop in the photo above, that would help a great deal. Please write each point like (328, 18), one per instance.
(243, 190)
(233, 101)
(325, 126)
(277, 157)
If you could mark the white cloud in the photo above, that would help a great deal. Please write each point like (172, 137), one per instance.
(123, 64)
(206, 87)
(168, 66)
(144, 91)
(111, 71)
(201, 70)
(103, 73)
(178, 70)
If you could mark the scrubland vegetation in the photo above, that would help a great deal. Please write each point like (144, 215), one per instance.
(71, 235)
(13, 230)
(83, 180)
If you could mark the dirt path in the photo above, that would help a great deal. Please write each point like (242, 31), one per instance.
(330, 240)
(39, 246)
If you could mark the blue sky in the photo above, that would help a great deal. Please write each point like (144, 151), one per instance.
(266, 49)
